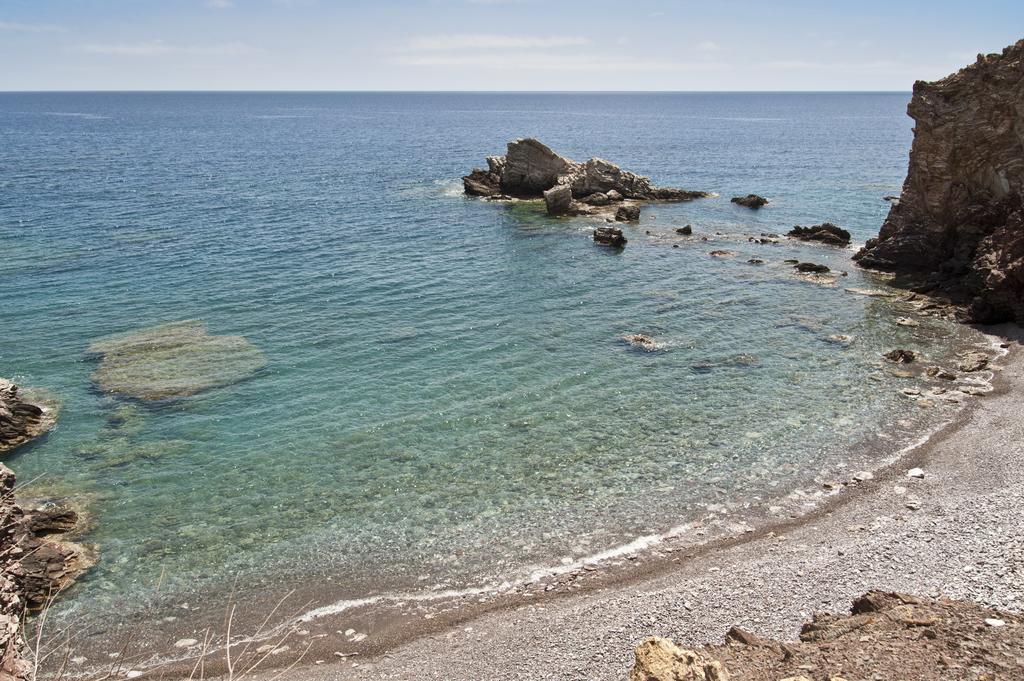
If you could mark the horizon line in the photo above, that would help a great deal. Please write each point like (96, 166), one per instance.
(497, 92)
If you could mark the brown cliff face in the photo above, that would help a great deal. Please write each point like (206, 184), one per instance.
(958, 228)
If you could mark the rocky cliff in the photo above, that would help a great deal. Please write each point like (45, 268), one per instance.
(531, 170)
(958, 227)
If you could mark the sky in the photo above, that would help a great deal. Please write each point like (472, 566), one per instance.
(560, 45)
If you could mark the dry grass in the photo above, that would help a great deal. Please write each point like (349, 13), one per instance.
(223, 653)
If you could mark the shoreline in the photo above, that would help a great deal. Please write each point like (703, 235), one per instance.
(316, 644)
(872, 501)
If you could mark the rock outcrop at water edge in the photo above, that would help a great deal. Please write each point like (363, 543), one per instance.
(21, 419)
(958, 227)
(37, 562)
(531, 170)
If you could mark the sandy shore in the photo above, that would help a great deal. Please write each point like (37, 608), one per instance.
(953, 533)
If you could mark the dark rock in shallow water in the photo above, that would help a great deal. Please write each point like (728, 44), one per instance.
(628, 214)
(810, 268)
(900, 356)
(609, 236)
(530, 168)
(172, 360)
(685, 231)
(750, 201)
(826, 233)
(21, 419)
(958, 227)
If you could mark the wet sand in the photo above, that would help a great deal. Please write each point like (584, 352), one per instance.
(954, 533)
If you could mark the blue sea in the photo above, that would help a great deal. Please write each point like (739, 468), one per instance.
(447, 399)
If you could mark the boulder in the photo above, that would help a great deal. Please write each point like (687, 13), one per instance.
(958, 227)
(558, 200)
(826, 233)
(750, 201)
(628, 214)
(658, 659)
(609, 236)
(596, 199)
(530, 168)
(685, 231)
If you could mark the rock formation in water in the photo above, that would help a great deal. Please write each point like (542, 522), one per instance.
(172, 360)
(531, 170)
(609, 236)
(37, 562)
(885, 636)
(958, 228)
(826, 233)
(20, 419)
(750, 201)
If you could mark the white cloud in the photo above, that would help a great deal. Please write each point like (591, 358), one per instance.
(30, 28)
(220, 4)
(707, 46)
(551, 62)
(159, 47)
(489, 41)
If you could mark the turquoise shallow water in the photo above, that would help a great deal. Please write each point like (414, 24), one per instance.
(445, 393)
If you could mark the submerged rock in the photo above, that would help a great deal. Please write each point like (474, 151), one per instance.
(958, 228)
(609, 236)
(644, 342)
(900, 356)
(530, 168)
(750, 201)
(172, 360)
(21, 419)
(826, 233)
